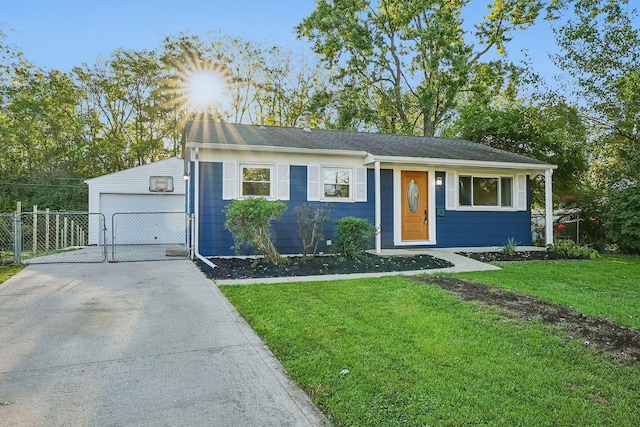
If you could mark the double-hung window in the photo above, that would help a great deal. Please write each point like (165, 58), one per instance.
(337, 182)
(257, 181)
(481, 191)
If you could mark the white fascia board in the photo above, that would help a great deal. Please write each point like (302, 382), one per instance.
(273, 149)
(454, 163)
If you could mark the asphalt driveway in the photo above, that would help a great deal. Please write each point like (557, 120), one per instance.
(135, 344)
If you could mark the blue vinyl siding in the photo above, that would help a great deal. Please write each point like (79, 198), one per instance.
(216, 240)
(456, 228)
(479, 228)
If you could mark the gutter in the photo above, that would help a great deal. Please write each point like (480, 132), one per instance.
(541, 167)
(196, 209)
(274, 149)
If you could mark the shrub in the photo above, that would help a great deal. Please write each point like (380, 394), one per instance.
(311, 223)
(623, 222)
(570, 248)
(249, 221)
(510, 247)
(353, 236)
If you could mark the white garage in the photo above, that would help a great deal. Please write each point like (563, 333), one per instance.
(132, 195)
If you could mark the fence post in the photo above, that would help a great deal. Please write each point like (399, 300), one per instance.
(57, 231)
(35, 229)
(46, 230)
(17, 233)
(64, 232)
(16, 237)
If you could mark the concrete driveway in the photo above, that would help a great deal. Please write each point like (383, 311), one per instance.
(135, 344)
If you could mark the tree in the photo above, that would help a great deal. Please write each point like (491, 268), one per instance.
(554, 133)
(123, 108)
(403, 64)
(264, 83)
(41, 157)
(601, 55)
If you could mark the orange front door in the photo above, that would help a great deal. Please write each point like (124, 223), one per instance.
(415, 208)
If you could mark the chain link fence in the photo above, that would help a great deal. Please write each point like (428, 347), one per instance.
(58, 237)
(150, 236)
(7, 244)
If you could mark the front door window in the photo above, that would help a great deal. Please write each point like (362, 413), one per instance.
(413, 196)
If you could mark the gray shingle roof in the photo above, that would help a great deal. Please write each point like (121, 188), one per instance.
(376, 144)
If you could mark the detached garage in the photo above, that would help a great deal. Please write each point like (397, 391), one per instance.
(155, 187)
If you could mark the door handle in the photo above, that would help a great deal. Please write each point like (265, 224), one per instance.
(426, 218)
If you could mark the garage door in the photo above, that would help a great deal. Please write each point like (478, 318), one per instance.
(144, 229)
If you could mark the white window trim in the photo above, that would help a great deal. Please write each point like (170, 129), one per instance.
(514, 193)
(357, 184)
(272, 179)
(351, 196)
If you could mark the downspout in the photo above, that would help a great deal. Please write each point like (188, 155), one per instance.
(196, 211)
(548, 202)
(378, 208)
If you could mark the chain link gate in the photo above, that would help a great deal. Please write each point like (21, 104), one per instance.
(150, 236)
(59, 237)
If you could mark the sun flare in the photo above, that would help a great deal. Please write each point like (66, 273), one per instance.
(199, 86)
(204, 89)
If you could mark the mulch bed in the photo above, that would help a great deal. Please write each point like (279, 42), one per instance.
(244, 268)
(517, 256)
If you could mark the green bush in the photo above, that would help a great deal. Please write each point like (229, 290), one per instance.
(623, 222)
(353, 236)
(569, 247)
(249, 221)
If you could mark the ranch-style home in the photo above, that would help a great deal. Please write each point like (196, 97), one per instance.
(427, 192)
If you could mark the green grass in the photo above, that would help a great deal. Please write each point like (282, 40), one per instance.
(608, 287)
(417, 355)
(8, 271)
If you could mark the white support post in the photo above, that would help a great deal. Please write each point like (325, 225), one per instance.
(195, 181)
(548, 202)
(378, 208)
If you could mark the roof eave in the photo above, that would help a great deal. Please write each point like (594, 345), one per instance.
(267, 148)
(460, 163)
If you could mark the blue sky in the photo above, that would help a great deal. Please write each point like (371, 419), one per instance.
(62, 34)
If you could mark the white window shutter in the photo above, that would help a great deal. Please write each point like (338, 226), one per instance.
(313, 182)
(282, 191)
(361, 184)
(229, 181)
(451, 182)
(521, 192)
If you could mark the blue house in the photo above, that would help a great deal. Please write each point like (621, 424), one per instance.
(417, 191)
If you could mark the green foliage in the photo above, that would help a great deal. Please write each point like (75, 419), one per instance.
(249, 221)
(510, 246)
(569, 247)
(600, 51)
(553, 133)
(402, 66)
(311, 223)
(623, 224)
(353, 236)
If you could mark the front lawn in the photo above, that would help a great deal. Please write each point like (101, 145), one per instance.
(607, 287)
(393, 351)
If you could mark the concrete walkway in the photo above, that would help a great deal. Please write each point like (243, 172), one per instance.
(135, 344)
